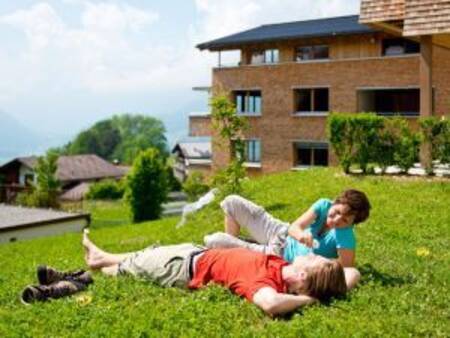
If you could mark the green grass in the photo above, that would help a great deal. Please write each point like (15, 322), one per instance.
(402, 253)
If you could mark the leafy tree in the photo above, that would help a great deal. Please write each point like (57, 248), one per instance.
(147, 186)
(121, 137)
(106, 189)
(230, 127)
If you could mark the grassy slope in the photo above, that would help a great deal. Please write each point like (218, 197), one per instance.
(402, 293)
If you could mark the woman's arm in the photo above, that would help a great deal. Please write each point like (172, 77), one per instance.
(346, 257)
(274, 303)
(301, 223)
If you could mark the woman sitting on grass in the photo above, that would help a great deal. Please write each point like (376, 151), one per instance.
(268, 281)
(325, 229)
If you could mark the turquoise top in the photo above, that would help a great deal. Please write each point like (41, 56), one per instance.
(329, 242)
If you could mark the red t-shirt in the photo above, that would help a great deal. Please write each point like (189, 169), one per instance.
(243, 271)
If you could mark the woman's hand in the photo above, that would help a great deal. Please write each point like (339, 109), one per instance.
(306, 238)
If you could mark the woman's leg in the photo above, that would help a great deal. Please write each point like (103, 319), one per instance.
(240, 212)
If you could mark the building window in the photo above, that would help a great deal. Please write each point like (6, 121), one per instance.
(311, 100)
(392, 47)
(311, 153)
(248, 102)
(388, 102)
(253, 151)
(318, 52)
(29, 180)
(265, 56)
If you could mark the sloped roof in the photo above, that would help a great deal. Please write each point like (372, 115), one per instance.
(77, 193)
(85, 167)
(194, 147)
(344, 25)
(77, 167)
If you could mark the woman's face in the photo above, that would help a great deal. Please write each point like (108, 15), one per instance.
(339, 216)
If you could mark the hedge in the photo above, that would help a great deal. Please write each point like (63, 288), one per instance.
(367, 140)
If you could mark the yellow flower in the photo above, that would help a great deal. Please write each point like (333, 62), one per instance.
(83, 299)
(422, 252)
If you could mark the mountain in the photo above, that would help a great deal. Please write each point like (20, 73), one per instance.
(16, 139)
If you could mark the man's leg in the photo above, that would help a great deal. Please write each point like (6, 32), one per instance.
(96, 258)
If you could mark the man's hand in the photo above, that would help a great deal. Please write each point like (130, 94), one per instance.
(306, 238)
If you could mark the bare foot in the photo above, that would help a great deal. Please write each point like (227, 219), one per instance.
(94, 257)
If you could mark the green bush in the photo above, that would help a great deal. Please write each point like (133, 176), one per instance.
(363, 139)
(436, 133)
(174, 184)
(195, 186)
(147, 186)
(106, 189)
(354, 138)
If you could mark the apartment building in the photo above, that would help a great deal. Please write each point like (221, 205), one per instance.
(292, 75)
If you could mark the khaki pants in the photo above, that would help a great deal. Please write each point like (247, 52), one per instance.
(165, 265)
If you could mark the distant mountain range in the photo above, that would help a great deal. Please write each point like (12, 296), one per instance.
(18, 140)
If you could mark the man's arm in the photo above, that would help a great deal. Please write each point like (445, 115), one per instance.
(352, 277)
(275, 303)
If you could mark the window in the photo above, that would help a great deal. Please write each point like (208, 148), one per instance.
(311, 100)
(265, 56)
(253, 151)
(318, 52)
(388, 102)
(311, 153)
(393, 47)
(29, 179)
(248, 102)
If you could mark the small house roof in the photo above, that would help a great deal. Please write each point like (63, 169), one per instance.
(344, 25)
(76, 167)
(194, 147)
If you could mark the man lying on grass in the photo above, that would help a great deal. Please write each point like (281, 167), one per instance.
(268, 281)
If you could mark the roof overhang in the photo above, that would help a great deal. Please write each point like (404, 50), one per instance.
(410, 19)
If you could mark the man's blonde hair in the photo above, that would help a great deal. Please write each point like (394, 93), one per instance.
(325, 281)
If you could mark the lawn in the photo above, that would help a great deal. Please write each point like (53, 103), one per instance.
(402, 253)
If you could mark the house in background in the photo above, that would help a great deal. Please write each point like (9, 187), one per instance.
(192, 154)
(74, 172)
(292, 75)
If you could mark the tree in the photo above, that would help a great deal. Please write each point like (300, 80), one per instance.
(121, 137)
(231, 128)
(147, 186)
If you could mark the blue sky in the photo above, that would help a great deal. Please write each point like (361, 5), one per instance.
(66, 64)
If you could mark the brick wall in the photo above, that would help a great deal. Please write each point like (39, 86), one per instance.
(278, 128)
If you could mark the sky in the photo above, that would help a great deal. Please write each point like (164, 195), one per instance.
(65, 64)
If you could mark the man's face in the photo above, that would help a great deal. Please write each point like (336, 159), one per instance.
(339, 216)
(301, 265)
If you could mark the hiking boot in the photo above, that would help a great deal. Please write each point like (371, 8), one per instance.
(58, 289)
(47, 275)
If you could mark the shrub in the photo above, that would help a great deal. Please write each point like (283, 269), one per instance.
(366, 138)
(436, 134)
(106, 189)
(354, 138)
(195, 186)
(174, 184)
(147, 185)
